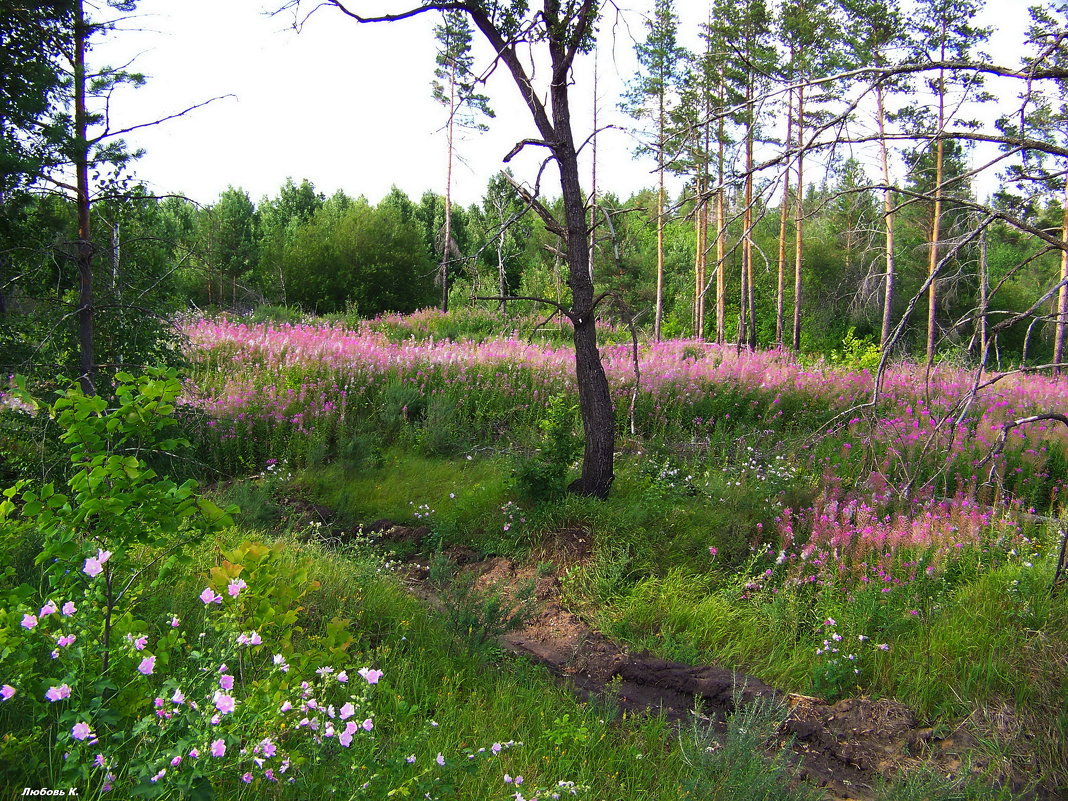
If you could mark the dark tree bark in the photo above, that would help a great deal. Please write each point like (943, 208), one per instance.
(564, 30)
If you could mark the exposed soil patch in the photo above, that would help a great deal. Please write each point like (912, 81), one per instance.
(844, 747)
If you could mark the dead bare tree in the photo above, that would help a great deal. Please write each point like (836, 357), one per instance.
(559, 32)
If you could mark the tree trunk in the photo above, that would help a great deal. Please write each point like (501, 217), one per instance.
(446, 248)
(721, 224)
(799, 219)
(932, 256)
(1062, 295)
(784, 216)
(888, 220)
(84, 257)
(660, 225)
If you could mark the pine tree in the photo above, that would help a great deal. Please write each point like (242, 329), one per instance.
(651, 95)
(455, 88)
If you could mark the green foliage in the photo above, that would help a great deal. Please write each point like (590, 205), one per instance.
(736, 766)
(354, 253)
(856, 353)
(479, 615)
(542, 475)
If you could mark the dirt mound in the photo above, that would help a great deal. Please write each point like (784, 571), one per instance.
(844, 747)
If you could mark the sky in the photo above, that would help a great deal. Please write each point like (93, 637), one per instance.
(349, 106)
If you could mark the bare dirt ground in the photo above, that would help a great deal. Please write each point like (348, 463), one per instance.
(845, 747)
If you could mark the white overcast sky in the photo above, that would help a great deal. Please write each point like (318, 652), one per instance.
(348, 106)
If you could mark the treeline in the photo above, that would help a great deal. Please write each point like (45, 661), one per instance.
(871, 107)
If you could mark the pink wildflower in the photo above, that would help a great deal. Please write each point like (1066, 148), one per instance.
(371, 676)
(147, 666)
(69, 609)
(7, 692)
(54, 694)
(235, 586)
(29, 621)
(209, 596)
(81, 731)
(49, 608)
(218, 748)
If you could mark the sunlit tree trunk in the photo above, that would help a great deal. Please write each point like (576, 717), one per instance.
(799, 219)
(784, 216)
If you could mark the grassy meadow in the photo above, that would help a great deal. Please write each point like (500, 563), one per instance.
(765, 517)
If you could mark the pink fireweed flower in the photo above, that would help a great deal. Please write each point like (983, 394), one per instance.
(54, 694)
(218, 748)
(147, 666)
(224, 703)
(235, 586)
(226, 681)
(29, 621)
(7, 692)
(69, 609)
(81, 731)
(49, 608)
(209, 596)
(371, 676)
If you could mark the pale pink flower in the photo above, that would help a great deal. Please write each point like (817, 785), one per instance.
(176, 761)
(49, 608)
(81, 731)
(218, 748)
(209, 596)
(345, 739)
(226, 681)
(372, 676)
(178, 697)
(347, 711)
(7, 692)
(160, 775)
(141, 643)
(54, 694)
(235, 586)
(29, 621)
(147, 666)
(174, 621)
(440, 759)
(343, 677)
(368, 724)
(65, 640)
(225, 703)
(69, 609)
(247, 778)
(286, 706)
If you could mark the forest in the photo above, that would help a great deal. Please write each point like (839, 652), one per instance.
(745, 485)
